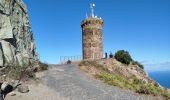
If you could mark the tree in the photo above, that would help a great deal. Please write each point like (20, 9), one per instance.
(123, 56)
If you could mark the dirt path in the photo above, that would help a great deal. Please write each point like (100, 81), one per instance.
(73, 84)
(67, 82)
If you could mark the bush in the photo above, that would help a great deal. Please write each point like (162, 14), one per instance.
(123, 56)
(43, 66)
(19, 72)
(137, 81)
(15, 72)
(151, 89)
(144, 90)
(137, 63)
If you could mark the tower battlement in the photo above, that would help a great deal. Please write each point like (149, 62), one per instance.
(92, 23)
(89, 22)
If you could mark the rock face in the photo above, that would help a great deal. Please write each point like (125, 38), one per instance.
(16, 38)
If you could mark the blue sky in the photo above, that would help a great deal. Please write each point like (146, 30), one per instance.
(141, 27)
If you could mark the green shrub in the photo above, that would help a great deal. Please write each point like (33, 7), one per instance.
(154, 90)
(43, 66)
(144, 90)
(19, 72)
(15, 72)
(137, 81)
(123, 56)
(137, 63)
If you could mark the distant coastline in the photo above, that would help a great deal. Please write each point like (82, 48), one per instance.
(162, 77)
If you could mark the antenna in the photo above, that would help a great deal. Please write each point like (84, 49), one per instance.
(86, 16)
(92, 5)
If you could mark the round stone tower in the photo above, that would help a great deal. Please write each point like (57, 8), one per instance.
(92, 34)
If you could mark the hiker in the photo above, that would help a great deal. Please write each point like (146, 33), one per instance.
(111, 55)
(105, 55)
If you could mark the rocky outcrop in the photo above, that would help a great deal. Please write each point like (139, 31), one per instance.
(16, 38)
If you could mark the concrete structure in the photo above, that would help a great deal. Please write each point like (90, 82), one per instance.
(92, 34)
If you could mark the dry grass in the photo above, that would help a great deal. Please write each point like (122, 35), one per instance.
(116, 79)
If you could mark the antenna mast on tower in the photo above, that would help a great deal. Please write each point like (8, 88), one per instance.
(92, 5)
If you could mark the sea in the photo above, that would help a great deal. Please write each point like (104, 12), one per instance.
(162, 77)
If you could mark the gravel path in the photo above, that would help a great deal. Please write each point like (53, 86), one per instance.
(69, 82)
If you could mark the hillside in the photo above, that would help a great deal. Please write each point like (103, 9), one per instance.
(129, 77)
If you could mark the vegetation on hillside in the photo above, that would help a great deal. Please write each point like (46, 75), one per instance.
(135, 84)
(123, 56)
(16, 72)
(102, 70)
(137, 63)
(24, 72)
(43, 66)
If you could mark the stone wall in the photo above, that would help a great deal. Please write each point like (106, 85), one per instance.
(92, 42)
(16, 38)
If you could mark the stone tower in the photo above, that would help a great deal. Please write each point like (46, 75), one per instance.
(92, 34)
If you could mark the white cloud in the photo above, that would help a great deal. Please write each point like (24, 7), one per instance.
(156, 66)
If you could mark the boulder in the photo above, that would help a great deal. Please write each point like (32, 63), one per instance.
(23, 89)
(8, 52)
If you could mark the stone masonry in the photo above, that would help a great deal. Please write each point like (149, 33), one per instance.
(92, 36)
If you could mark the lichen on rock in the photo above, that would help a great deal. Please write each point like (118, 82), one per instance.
(16, 38)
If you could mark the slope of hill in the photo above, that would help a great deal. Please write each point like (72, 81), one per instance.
(130, 77)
